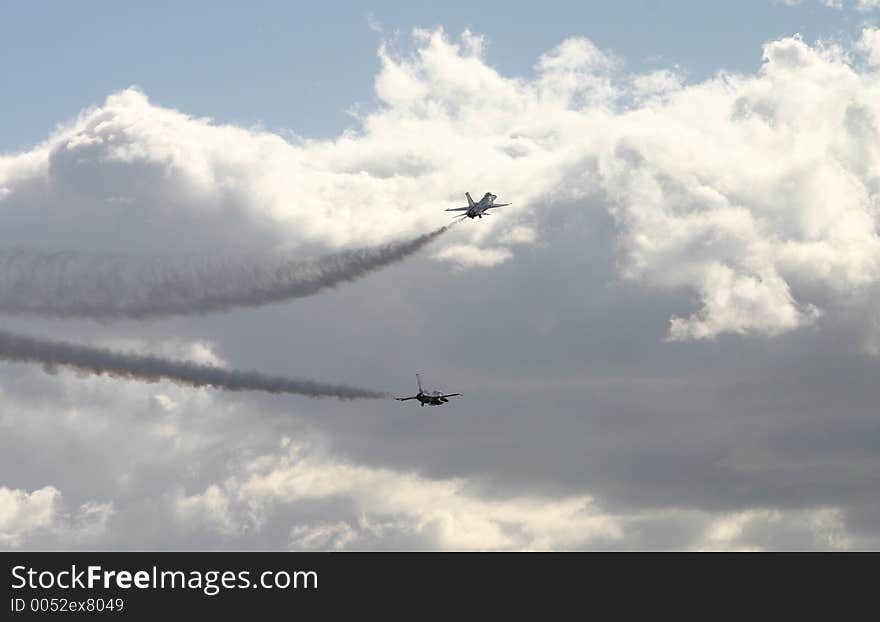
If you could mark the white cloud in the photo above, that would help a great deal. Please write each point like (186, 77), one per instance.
(466, 256)
(208, 508)
(31, 518)
(751, 198)
(859, 5)
(519, 235)
(577, 73)
(757, 529)
(322, 536)
(386, 505)
(445, 514)
(757, 193)
(869, 44)
(655, 84)
(742, 304)
(750, 190)
(22, 512)
(197, 350)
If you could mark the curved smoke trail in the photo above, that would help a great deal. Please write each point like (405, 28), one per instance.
(100, 361)
(118, 286)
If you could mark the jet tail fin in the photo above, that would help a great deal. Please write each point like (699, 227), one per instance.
(470, 200)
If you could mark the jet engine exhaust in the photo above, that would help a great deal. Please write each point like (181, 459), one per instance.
(108, 287)
(147, 368)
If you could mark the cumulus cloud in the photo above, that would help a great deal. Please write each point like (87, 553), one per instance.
(749, 202)
(39, 518)
(443, 514)
(759, 529)
(757, 192)
(209, 508)
(753, 529)
(869, 44)
(754, 194)
(381, 505)
(21, 512)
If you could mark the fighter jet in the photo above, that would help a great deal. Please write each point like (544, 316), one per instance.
(478, 209)
(431, 398)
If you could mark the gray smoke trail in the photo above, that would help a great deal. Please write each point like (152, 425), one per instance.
(23, 349)
(118, 286)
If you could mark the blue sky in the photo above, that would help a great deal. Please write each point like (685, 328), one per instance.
(300, 66)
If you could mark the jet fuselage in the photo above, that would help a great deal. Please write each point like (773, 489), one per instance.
(477, 209)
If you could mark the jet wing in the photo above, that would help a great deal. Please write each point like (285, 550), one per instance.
(498, 205)
(457, 209)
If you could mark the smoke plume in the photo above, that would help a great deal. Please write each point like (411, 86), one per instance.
(100, 361)
(118, 286)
